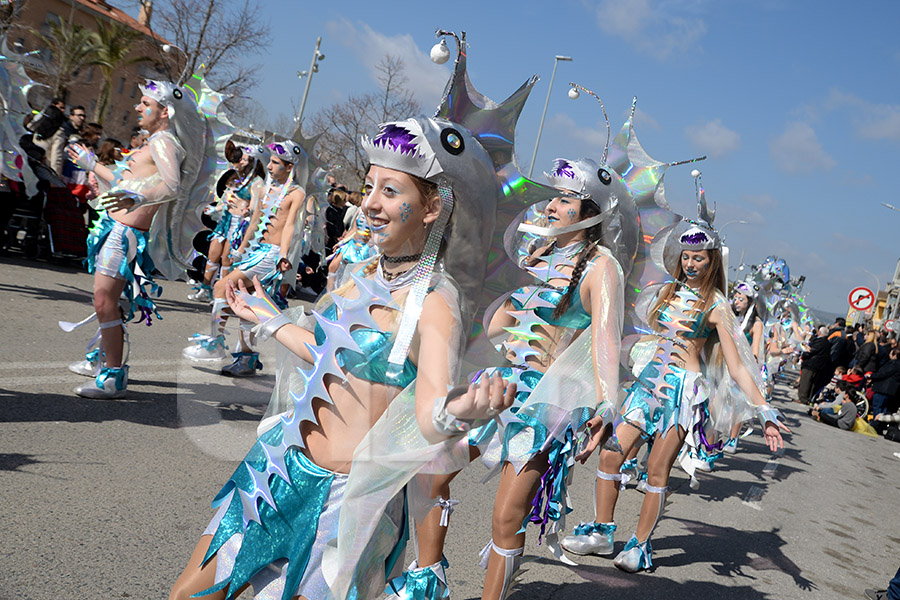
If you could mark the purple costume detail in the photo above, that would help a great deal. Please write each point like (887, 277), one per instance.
(399, 138)
(564, 168)
(694, 238)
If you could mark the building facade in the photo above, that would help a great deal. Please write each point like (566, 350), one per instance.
(120, 117)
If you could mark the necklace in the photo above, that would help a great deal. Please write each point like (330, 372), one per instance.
(394, 281)
(388, 276)
(400, 259)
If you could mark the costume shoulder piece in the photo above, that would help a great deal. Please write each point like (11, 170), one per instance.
(15, 86)
(197, 121)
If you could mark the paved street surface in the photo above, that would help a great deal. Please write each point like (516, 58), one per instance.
(105, 499)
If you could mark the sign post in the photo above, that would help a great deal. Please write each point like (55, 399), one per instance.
(861, 299)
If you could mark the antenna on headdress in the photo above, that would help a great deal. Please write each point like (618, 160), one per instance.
(575, 86)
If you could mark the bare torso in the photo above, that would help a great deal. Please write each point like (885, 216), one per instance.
(356, 406)
(140, 166)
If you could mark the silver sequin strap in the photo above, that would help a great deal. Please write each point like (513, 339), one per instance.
(422, 279)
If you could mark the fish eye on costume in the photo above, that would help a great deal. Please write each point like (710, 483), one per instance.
(605, 177)
(177, 94)
(452, 141)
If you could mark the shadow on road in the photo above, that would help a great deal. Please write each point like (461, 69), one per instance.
(731, 553)
(144, 408)
(608, 583)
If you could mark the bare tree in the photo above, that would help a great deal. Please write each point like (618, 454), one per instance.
(218, 34)
(344, 123)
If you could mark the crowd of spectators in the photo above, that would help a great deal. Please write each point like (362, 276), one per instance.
(58, 215)
(842, 363)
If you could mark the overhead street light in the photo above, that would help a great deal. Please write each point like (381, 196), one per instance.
(313, 68)
(556, 60)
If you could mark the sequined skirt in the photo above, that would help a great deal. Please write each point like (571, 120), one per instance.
(653, 406)
(276, 517)
(260, 262)
(122, 252)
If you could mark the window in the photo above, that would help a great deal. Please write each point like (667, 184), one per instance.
(93, 106)
(134, 90)
(121, 85)
(90, 74)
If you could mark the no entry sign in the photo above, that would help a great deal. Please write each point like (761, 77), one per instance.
(861, 298)
(892, 325)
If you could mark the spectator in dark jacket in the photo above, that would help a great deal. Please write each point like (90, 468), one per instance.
(817, 368)
(886, 384)
(841, 349)
(865, 356)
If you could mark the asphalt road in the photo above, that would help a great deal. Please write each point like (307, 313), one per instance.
(105, 499)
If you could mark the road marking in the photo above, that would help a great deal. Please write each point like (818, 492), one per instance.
(25, 366)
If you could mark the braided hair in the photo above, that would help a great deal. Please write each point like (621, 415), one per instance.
(591, 234)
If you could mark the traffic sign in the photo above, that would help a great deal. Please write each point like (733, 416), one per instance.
(892, 325)
(861, 298)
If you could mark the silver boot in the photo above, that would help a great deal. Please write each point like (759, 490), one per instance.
(206, 348)
(637, 556)
(420, 583)
(90, 366)
(109, 383)
(591, 538)
(245, 365)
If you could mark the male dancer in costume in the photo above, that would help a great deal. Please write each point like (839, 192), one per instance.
(118, 244)
(267, 251)
(135, 238)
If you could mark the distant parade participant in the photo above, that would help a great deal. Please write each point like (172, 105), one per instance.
(133, 238)
(268, 251)
(243, 185)
(677, 389)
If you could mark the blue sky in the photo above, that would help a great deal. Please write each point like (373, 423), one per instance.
(796, 103)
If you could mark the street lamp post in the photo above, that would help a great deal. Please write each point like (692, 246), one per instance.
(556, 60)
(168, 48)
(313, 68)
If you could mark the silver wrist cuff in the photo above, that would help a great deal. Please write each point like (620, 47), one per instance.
(267, 329)
(447, 424)
(139, 200)
(765, 413)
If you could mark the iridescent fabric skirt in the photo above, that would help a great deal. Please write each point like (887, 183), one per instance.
(123, 252)
(685, 394)
(260, 261)
(276, 517)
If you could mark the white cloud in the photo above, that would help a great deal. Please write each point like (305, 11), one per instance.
(652, 27)
(871, 121)
(763, 201)
(713, 138)
(797, 150)
(592, 137)
(426, 79)
(643, 120)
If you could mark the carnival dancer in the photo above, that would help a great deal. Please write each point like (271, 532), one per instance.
(567, 316)
(447, 178)
(430, 180)
(680, 395)
(133, 237)
(750, 309)
(267, 252)
(356, 246)
(248, 186)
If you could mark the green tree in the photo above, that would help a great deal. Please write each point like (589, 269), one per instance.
(115, 42)
(71, 47)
